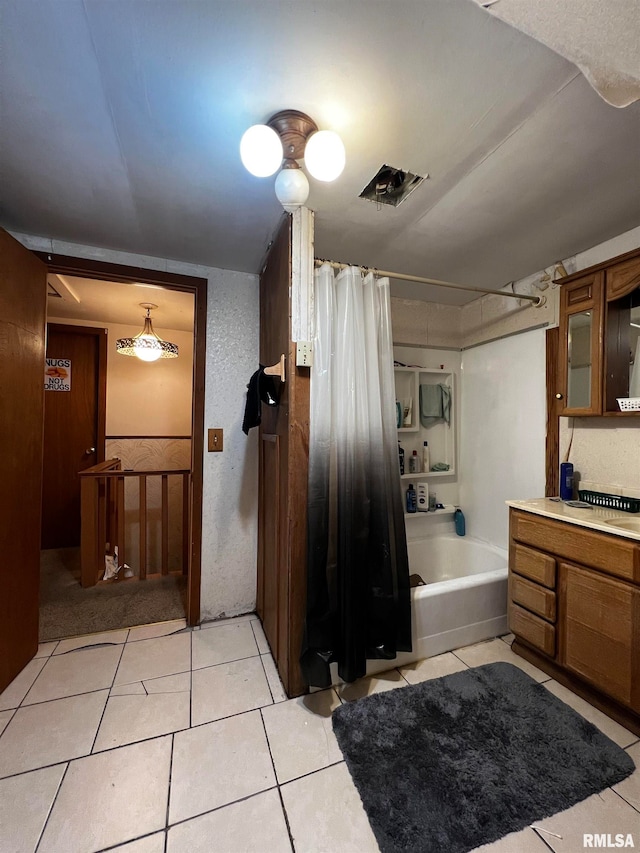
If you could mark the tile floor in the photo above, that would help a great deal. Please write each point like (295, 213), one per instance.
(165, 740)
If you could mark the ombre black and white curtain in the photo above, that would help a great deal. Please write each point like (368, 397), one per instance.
(358, 598)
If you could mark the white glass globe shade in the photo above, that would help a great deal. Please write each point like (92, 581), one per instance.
(324, 155)
(147, 348)
(261, 150)
(292, 188)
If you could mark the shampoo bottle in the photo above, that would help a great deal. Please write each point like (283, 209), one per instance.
(411, 499)
(423, 497)
(458, 519)
(426, 462)
(401, 458)
(414, 463)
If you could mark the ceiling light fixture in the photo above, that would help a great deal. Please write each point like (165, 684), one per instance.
(146, 345)
(292, 136)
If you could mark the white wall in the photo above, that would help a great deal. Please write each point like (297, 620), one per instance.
(229, 535)
(502, 432)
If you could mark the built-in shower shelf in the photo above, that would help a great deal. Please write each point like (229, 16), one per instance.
(426, 474)
(449, 509)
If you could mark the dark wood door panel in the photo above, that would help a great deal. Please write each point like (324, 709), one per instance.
(22, 321)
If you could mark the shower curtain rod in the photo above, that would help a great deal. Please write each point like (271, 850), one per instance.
(537, 300)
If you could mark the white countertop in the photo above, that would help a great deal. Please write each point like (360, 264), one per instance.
(593, 518)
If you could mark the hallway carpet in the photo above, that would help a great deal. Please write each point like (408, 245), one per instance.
(66, 609)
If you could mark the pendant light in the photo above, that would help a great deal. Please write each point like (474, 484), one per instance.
(146, 345)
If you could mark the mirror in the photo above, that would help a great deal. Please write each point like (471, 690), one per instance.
(579, 361)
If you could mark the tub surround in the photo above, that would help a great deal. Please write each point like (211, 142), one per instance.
(595, 518)
(574, 600)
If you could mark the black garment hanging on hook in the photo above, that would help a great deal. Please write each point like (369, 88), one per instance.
(262, 388)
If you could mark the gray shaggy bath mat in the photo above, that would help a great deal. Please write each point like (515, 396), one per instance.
(453, 763)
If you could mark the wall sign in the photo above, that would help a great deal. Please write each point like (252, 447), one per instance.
(57, 374)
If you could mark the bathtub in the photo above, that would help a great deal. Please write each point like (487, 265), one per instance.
(464, 599)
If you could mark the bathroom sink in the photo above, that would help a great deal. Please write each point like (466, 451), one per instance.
(625, 523)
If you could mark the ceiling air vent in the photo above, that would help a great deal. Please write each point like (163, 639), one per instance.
(391, 186)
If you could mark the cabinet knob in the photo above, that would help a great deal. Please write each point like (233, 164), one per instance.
(558, 396)
(90, 450)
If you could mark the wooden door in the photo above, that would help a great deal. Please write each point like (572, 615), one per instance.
(74, 425)
(22, 320)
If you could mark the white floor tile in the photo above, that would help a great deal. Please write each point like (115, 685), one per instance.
(261, 638)
(154, 658)
(300, 734)
(605, 813)
(494, 651)
(169, 683)
(39, 735)
(45, 650)
(526, 841)
(277, 690)
(367, 686)
(13, 695)
(435, 667)
(136, 688)
(110, 798)
(25, 802)
(150, 844)
(218, 763)
(623, 737)
(115, 638)
(630, 787)
(223, 644)
(74, 673)
(5, 716)
(326, 815)
(128, 719)
(255, 825)
(230, 688)
(157, 629)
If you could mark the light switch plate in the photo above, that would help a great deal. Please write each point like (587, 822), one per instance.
(214, 440)
(304, 354)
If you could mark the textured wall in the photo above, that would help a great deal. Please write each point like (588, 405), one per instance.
(230, 509)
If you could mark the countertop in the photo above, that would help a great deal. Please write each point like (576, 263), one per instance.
(593, 518)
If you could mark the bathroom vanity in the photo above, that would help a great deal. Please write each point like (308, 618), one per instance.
(574, 600)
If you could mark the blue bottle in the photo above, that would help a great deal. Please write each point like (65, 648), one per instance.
(566, 481)
(412, 499)
(458, 520)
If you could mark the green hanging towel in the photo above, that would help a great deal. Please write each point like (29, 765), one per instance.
(435, 404)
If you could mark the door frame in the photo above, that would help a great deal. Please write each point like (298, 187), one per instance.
(106, 271)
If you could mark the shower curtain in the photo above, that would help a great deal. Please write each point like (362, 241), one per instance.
(358, 597)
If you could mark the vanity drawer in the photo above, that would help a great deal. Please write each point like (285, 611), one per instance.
(532, 630)
(534, 565)
(534, 597)
(609, 553)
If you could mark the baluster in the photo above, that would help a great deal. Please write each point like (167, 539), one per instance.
(165, 524)
(142, 511)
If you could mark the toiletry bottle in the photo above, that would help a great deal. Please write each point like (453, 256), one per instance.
(458, 520)
(411, 499)
(414, 463)
(566, 481)
(432, 502)
(423, 497)
(426, 463)
(401, 458)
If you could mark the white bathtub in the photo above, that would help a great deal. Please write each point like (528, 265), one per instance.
(464, 600)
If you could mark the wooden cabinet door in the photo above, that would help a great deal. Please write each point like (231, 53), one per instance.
(581, 345)
(23, 295)
(599, 628)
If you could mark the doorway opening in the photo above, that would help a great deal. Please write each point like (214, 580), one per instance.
(130, 440)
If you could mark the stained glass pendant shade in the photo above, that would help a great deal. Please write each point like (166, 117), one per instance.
(146, 345)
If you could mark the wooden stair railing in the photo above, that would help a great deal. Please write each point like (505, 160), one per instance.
(102, 517)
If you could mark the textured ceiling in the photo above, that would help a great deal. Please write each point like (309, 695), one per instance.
(121, 122)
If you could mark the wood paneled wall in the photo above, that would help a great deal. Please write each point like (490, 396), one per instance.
(283, 463)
